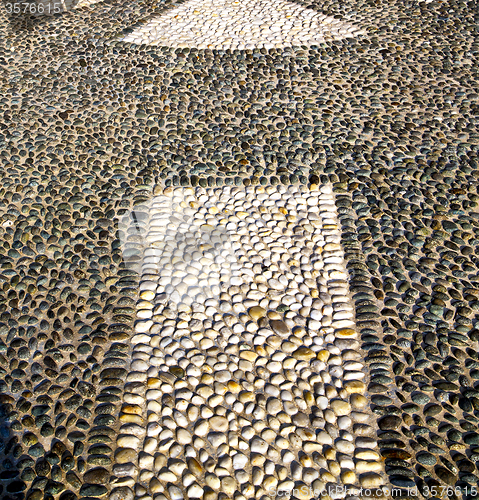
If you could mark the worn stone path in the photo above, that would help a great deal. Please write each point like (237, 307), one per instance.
(121, 127)
(245, 377)
(230, 24)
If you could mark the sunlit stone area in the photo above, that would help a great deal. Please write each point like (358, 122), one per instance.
(245, 376)
(232, 24)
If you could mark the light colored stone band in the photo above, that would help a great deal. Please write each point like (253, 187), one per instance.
(246, 377)
(231, 24)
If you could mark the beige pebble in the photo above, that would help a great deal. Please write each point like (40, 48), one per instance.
(302, 491)
(219, 424)
(345, 333)
(366, 466)
(340, 407)
(147, 295)
(323, 355)
(156, 486)
(125, 455)
(344, 446)
(167, 476)
(246, 397)
(353, 386)
(348, 477)
(270, 483)
(201, 428)
(212, 481)
(233, 386)
(183, 436)
(334, 468)
(194, 466)
(370, 480)
(303, 354)
(365, 454)
(248, 355)
(358, 401)
(360, 416)
(160, 461)
(228, 485)
(327, 477)
(257, 312)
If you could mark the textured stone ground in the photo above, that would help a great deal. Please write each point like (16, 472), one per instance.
(240, 25)
(245, 376)
(90, 124)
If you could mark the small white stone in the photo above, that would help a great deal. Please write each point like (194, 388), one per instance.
(195, 491)
(288, 457)
(167, 476)
(175, 493)
(130, 441)
(143, 326)
(183, 436)
(259, 446)
(219, 424)
(344, 446)
(239, 461)
(344, 422)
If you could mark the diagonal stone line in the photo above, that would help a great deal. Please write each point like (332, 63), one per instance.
(231, 24)
(245, 376)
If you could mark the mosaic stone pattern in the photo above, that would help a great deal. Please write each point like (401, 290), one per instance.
(89, 125)
(245, 376)
(232, 24)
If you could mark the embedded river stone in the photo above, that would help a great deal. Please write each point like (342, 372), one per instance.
(90, 125)
(231, 24)
(245, 367)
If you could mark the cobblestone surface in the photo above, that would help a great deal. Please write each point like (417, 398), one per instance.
(245, 372)
(230, 24)
(91, 124)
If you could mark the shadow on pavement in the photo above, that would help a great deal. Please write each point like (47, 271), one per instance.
(11, 486)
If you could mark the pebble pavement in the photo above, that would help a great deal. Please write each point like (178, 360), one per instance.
(93, 127)
(245, 376)
(231, 24)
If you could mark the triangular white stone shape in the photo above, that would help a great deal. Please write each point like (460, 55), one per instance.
(233, 24)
